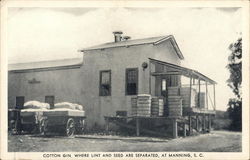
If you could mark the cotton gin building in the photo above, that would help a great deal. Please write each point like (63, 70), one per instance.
(111, 75)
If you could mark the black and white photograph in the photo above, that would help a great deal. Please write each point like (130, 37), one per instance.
(125, 80)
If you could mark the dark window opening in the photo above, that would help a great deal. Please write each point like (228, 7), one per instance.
(105, 83)
(50, 100)
(19, 101)
(131, 81)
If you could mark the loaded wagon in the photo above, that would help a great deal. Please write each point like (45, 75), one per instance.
(38, 117)
(64, 121)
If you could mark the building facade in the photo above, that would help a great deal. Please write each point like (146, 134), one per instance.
(104, 81)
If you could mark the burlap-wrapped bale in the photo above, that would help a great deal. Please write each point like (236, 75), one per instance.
(185, 95)
(66, 105)
(36, 105)
(173, 91)
(143, 105)
(174, 106)
(79, 107)
(157, 106)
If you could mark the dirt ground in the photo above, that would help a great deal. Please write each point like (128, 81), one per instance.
(216, 141)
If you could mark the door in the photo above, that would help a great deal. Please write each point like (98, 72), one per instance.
(19, 102)
(164, 95)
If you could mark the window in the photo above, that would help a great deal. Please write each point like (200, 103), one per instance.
(50, 100)
(131, 81)
(105, 83)
(19, 101)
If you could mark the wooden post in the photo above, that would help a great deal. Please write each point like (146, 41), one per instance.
(175, 128)
(137, 127)
(150, 77)
(184, 130)
(190, 92)
(209, 123)
(199, 82)
(190, 129)
(107, 125)
(206, 96)
(197, 123)
(204, 123)
(214, 98)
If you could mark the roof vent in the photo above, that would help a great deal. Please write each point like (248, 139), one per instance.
(117, 35)
(125, 38)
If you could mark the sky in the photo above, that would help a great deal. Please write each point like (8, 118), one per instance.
(203, 34)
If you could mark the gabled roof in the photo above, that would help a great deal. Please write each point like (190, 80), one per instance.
(45, 65)
(127, 43)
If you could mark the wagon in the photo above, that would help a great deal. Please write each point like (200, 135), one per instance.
(67, 122)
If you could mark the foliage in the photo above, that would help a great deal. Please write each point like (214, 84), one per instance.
(235, 114)
(221, 120)
(235, 67)
(234, 82)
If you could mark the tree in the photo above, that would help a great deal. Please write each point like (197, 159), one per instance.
(234, 82)
(235, 114)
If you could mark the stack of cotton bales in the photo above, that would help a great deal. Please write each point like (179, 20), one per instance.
(174, 106)
(157, 106)
(143, 105)
(185, 94)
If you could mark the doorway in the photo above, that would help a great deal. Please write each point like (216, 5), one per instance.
(168, 81)
(19, 102)
(164, 95)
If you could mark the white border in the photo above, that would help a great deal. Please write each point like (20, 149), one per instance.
(208, 155)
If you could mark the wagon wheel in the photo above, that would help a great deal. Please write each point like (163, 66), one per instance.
(70, 127)
(80, 127)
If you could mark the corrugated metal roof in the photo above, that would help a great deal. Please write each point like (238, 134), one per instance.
(152, 40)
(45, 64)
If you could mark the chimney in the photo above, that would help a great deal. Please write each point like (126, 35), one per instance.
(125, 38)
(118, 36)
